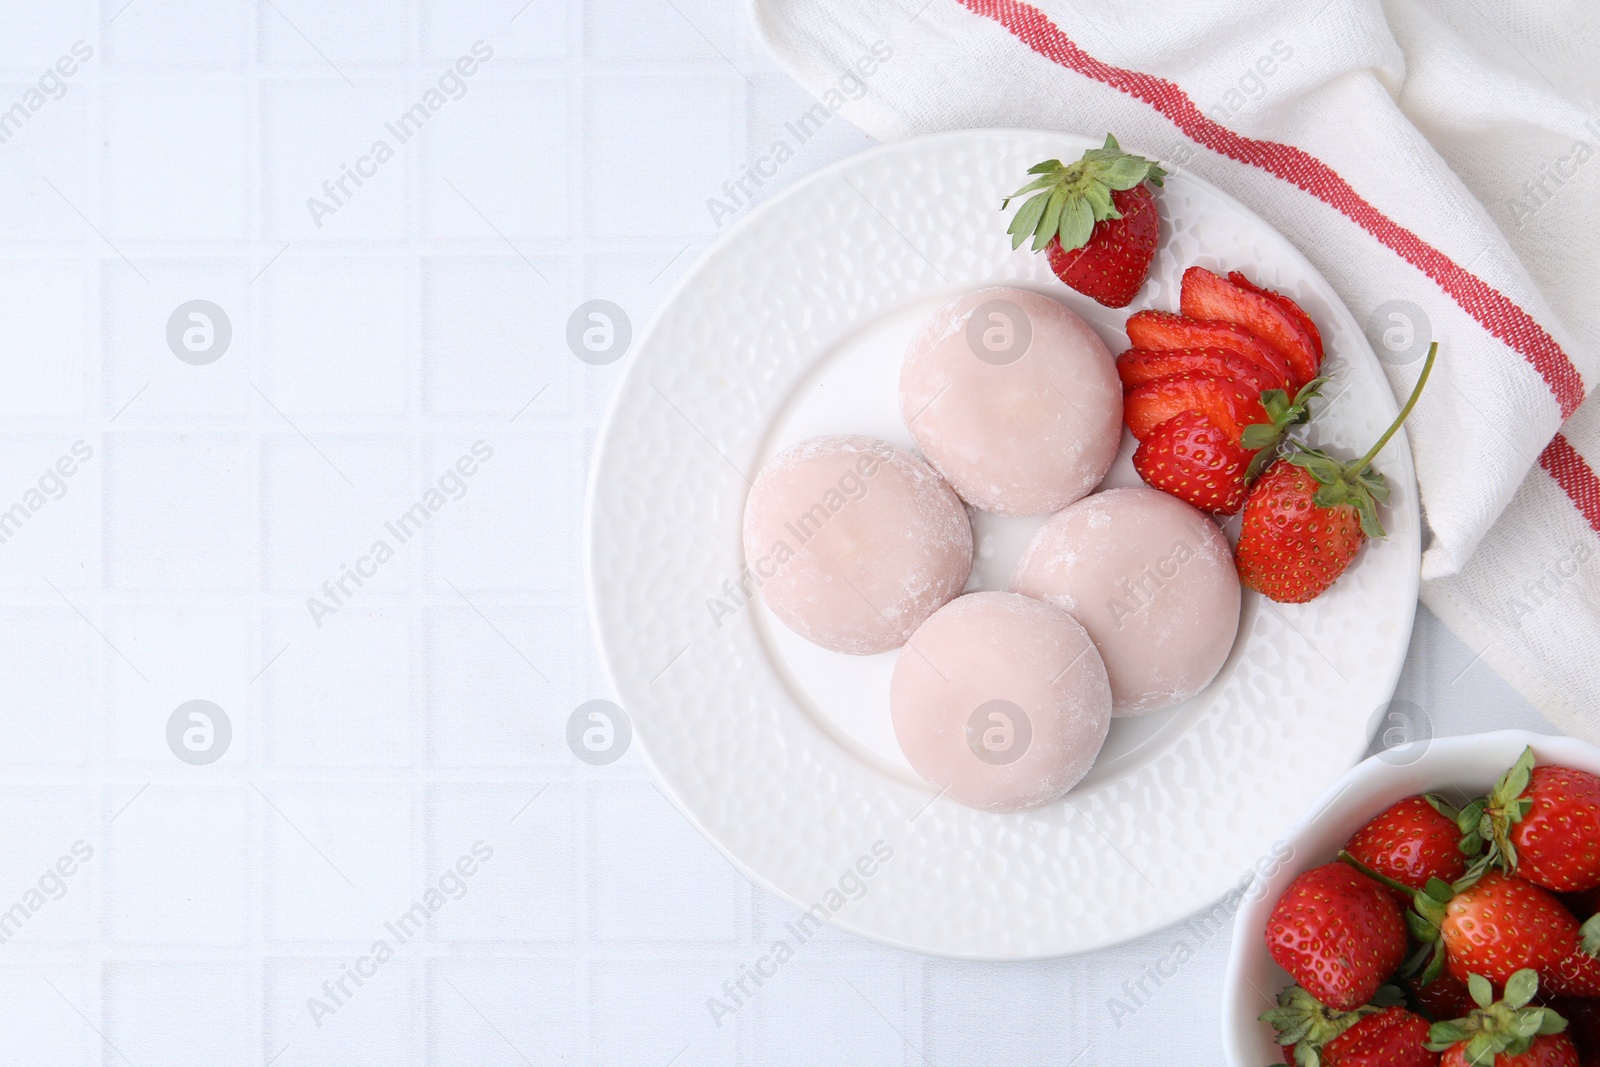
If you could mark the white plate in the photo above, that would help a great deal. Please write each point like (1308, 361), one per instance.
(781, 754)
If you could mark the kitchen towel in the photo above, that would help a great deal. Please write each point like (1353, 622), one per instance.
(1432, 159)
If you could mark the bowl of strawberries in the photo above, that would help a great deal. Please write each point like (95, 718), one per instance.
(1437, 906)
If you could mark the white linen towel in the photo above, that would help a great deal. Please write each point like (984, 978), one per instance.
(1434, 161)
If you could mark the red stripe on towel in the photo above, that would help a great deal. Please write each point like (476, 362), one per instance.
(1496, 312)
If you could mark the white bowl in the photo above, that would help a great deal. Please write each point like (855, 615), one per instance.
(1458, 768)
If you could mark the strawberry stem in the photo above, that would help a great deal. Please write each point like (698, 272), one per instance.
(1400, 419)
(1381, 879)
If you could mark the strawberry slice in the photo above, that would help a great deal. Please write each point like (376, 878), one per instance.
(1138, 365)
(1228, 407)
(1295, 310)
(1159, 330)
(1189, 457)
(1206, 296)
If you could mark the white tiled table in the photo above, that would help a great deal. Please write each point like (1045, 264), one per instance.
(427, 713)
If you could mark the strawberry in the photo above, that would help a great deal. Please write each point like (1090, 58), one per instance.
(1501, 924)
(1098, 219)
(1445, 997)
(1412, 841)
(1337, 934)
(1394, 1037)
(1189, 457)
(1196, 460)
(1206, 296)
(1162, 330)
(1583, 1026)
(1295, 310)
(1309, 514)
(1510, 1032)
(1548, 1050)
(1378, 1034)
(1542, 824)
(1577, 973)
(1137, 366)
(1229, 408)
(1495, 927)
(1495, 924)
(1290, 548)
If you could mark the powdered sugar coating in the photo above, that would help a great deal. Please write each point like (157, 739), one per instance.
(1000, 662)
(1023, 431)
(854, 542)
(1152, 579)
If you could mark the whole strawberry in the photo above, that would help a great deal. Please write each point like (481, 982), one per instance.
(1394, 1037)
(1542, 824)
(1577, 973)
(1495, 927)
(1583, 1026)
(1338, 934)
(1309, 514)
(1191, 458)
(1445, 997)
(1379, 1034)
(1195, 460)
(1548, 1050)
(1098, 219)
(1411, 842)
(1510, 1032)
(1291, 548)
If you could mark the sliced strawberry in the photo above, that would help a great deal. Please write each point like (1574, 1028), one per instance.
(1228, 407)
(1206, 296)
(1189, 457)
(1297, 312)
(1163, 330)
(1139, 365)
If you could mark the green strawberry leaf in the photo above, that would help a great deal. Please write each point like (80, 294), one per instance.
(1481, 1050)
(1077, 223)
(1520, 988)
(1421, 929)
(1027, 218)
(1079, 195)
(1591, 935)
(1442, 806)
(1050, 221)
(1259, 435)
